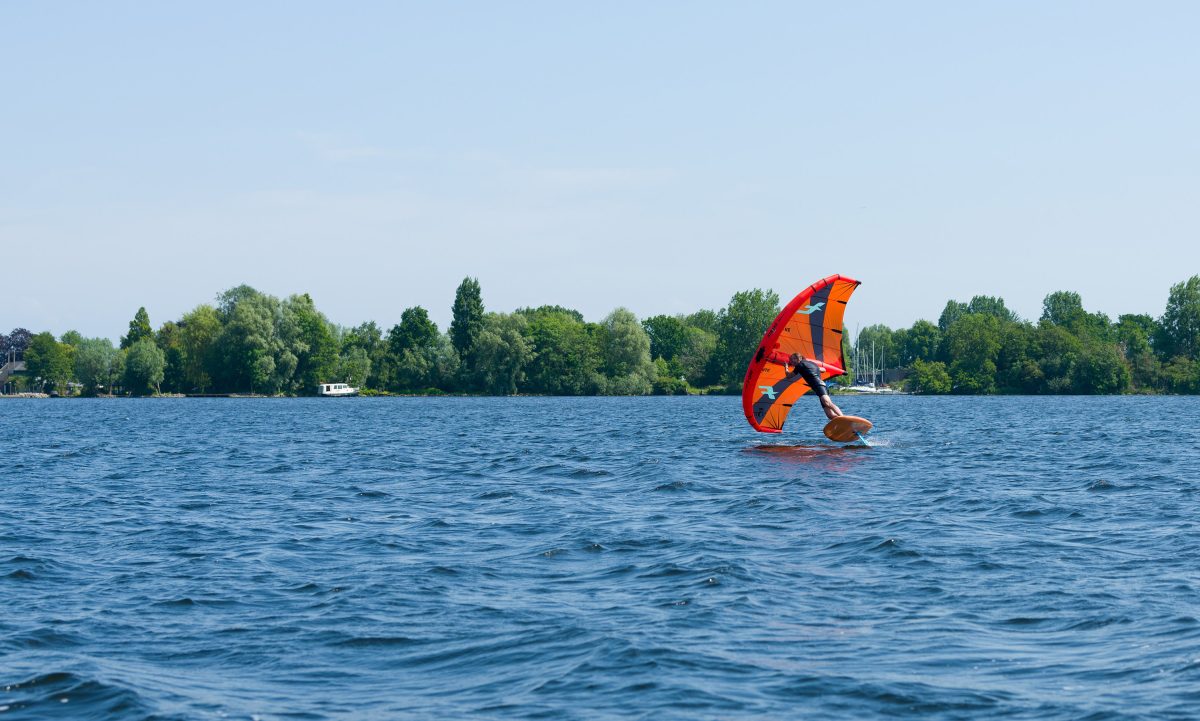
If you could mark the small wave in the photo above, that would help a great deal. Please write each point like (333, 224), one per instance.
(893, 548)
(44, 638)
(1025, 621)
(589, 473)
(64, 695)
(176, 603)
(674, 486)
(375, 642)
(1090, 624)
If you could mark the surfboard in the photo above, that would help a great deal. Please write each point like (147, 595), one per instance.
(844, 429)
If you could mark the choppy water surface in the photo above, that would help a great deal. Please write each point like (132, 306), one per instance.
(1029, 558)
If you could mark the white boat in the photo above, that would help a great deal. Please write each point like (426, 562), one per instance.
(862, 388)
(335, 390)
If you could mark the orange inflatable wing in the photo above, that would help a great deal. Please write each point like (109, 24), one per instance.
(811, 325)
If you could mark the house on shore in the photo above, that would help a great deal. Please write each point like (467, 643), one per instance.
(13, 364)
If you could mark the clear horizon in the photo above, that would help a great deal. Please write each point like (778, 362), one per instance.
(657, 158)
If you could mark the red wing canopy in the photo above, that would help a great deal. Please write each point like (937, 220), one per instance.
(811, 325)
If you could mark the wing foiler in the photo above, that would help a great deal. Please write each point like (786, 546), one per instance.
(811, 325)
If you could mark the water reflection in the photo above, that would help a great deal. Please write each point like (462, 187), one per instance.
(832, 457)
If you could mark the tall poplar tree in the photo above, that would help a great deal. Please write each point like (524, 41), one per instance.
(467, 324)
(139, 328)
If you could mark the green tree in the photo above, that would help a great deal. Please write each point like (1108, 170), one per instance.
(973, 342)
(95, 359)
(920, 342)
(705, 320)
(139, 328)
(230, 299)
(445, 364)
(199, 331)
(952, 312)
(665, 383)
(268, 345)
(1064, 308)
(414, 332)
(1179, 328)
(169, 339)
(369, 337)
(1016, 371)
(309, 338)
(468, 321)
(1056, 351)
(993, 306)
(414, 371)
(1182, 375)
(566, 355)
(625, 350)
(1133, 334)
(354, 366)
(1100, 369)
(740, 326)
(684, 347)
(50, 361)
(144, 365)
(116, 374)
(414, 346)
(530, 313)
(668, 336)
(930, 377)
(692, 359)
(502, 353)
(248, 343)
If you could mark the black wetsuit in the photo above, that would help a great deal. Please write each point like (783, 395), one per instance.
(812, 376)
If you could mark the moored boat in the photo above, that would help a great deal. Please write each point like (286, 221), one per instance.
(336, 390)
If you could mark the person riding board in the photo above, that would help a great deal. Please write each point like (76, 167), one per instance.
(811, 375)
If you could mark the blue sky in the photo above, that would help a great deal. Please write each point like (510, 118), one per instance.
(659, 156)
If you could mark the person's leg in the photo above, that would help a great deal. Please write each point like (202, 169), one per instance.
(812, 376)
(830, 408)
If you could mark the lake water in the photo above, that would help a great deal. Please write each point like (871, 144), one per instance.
(592, 558)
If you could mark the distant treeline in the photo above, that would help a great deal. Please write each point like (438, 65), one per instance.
(981, 347)
(250, 342)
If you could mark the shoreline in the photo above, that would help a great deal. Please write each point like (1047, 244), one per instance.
(245, 396)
